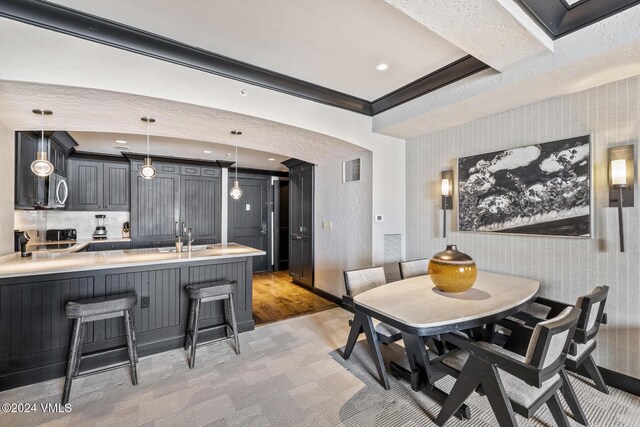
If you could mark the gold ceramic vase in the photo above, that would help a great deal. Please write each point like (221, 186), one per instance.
(452, 270)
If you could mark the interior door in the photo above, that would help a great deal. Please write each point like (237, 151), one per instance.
(301, 224)
(248, 218)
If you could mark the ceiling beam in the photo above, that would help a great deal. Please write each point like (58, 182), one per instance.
(497, 32)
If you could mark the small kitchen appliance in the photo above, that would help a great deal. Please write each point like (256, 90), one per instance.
(21, 240)
(57, 235)
(126, 230)
(101, 227)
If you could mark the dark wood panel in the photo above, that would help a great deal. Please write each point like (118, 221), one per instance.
(301, 189)
(155, 207)
(200, 206)
(29, 189)
(86, 185)
(162, 287)
(33, 317)
(116, 186)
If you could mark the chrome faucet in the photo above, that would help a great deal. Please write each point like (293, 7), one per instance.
(189, 239)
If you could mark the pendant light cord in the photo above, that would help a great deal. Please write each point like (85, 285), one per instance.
(147, 137)
(42, 140)
(236, 164)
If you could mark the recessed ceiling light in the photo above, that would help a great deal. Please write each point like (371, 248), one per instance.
(120, 141)
(272, 160)
(236, 132)
(243, 92)
(207, 151)
(228, 154)
(382, 66)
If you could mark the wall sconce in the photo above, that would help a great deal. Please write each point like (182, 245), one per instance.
(621, 177)
(446, 191)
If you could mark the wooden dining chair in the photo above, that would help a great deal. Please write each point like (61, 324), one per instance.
(510, 381)
(357, 282)
(414, 268)
(591, 317)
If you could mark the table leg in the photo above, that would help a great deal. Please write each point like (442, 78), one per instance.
(421, 376)
(363, 323)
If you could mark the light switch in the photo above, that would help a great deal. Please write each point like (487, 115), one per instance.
(247, 207)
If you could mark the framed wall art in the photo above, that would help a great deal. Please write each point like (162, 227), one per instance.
(542, 189)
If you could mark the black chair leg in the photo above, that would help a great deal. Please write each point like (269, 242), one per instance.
(132, 357)
(571, 399)
(465, 384)
(71, 363)
(594, 373)
(83, 332)
(187, 338)
(556, 410)
(234, 324)
(374, 347)
(194, 333)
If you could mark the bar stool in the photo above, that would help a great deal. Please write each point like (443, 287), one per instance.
(91, 310)
(221, 290)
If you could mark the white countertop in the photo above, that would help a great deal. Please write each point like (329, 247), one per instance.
(416, 302)
(64, 262)
(77, 244)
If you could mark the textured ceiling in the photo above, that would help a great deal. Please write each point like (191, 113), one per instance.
(332, 43)
(90, 110)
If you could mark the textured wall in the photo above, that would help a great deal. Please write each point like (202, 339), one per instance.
(348, 206)
(566, 267)
(7, 167)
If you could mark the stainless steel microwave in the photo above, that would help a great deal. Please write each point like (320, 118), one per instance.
(57, 191)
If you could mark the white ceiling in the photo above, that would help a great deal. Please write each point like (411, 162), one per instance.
(180, 130)
(332, 43)
(104, 143)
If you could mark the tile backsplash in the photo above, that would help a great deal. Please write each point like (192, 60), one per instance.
(37, 222)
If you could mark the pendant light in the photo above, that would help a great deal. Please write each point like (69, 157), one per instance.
(41, 166)
(236, 191)
(148, 171)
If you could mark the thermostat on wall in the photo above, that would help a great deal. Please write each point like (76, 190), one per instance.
(379, 217)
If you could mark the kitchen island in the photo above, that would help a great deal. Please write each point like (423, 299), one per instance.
(35, 334)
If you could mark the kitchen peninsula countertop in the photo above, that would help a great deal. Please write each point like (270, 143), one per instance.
(47, 262)
(76, 245)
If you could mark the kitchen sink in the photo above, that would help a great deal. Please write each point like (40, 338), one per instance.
(185, 249)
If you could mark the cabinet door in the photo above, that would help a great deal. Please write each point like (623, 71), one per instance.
(200, 206)
(116, 186)
(87, 184)
(57, 157)
(155, 207)
(29, 188)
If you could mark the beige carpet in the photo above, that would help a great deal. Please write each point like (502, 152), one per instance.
(290, 373)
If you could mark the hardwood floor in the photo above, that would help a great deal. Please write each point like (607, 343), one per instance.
(275, 297)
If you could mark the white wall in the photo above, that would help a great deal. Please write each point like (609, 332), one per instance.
(7, 177)
(347, 245)
(566, 267)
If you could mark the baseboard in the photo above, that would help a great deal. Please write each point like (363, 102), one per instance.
(327, 295)
(616, 379)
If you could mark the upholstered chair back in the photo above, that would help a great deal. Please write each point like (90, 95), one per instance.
(551, 339)
(358, 281)
(592, 306)
(417, 267)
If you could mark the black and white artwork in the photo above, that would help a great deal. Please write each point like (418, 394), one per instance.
(538, 189)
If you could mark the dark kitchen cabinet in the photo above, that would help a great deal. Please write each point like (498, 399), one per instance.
(98, 185)
(29, 188)
(155, 206)
(178, 194)
(301, 187)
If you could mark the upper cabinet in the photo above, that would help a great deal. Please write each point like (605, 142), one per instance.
(179, 193)
(98, 185)
(30, 190)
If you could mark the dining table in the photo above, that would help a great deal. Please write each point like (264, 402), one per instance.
(422, 312)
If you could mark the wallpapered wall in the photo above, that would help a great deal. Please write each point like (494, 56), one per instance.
(565, 267)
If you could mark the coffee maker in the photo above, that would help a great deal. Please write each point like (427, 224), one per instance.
(101, 228)
(21, 239)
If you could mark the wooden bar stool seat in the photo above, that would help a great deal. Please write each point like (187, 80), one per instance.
(91, 310)
(221, 290)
